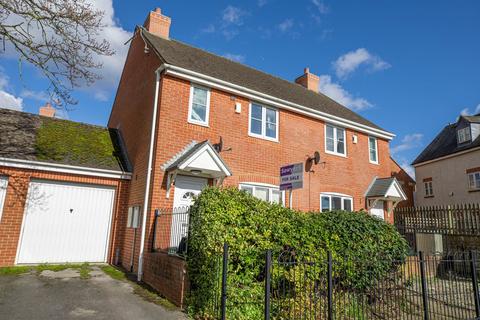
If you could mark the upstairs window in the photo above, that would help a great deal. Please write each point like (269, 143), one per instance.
(464, 135)
(333, 202)
(199, 105)
(3, 193)
(335, 140)
(264, 192)
(474, 180)
(263, 122)
(428, 188)
(373, 149)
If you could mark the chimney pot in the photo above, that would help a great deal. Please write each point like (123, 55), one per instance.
(308, 80)
(47, 110)
(158, 24)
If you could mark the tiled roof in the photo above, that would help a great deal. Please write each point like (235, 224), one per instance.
(380, 187)
(26, 136)
(181, 55)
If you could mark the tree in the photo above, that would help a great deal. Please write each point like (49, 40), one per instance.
(61, 38)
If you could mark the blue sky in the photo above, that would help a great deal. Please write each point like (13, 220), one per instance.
(409, 66)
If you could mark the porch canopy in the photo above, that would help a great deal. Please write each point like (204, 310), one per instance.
(197, 159)
(385, 189)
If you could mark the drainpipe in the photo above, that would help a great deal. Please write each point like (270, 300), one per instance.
(149, 174)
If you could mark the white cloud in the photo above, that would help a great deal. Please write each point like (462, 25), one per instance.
(410, 141)
(35, 95)
(342, 96)
(285, 25)
(467, 112)
(233, 16)
(409, 169)
(351, 61)
(321, 6)
(261, 3)
(209, 29)
(8, 100)
(235, 57)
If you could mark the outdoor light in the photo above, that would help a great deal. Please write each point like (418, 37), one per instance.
(195, 171)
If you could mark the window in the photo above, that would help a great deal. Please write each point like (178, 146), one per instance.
(199, 106)
(473, 180)
(335, 140)
(464, 135)
(428, 189)
(133, 219)
(3, 193)
(263, 122)
(264, 192)
(332, 202)
(373, 149)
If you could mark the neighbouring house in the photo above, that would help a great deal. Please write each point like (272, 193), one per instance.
(182, 119)
(448, 170)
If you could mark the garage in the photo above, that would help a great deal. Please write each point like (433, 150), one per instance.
(65, 222)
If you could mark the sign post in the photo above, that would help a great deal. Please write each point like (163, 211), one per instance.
(291, 177)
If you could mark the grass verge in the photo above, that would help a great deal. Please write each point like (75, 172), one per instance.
(84, 269)
(14, 271)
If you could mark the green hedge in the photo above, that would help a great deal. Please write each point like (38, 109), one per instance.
(363, 247)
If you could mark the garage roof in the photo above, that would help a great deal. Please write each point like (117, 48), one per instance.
(26, 136)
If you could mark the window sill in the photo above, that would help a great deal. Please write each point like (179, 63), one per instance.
(336, 154)
(257, 136)
(473, 190)
(375, 163)
(427, 197)
(199, 123)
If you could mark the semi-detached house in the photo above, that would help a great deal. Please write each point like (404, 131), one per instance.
(184, 119)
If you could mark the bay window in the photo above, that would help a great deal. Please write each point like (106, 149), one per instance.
(333, 202)
(264, 192)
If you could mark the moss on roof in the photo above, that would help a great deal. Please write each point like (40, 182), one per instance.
(31, 137)
(74, 143)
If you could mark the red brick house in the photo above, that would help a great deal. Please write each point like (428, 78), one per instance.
(184, 118)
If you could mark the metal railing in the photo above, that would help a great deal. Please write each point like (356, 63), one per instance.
(421, 287)
(171, 230)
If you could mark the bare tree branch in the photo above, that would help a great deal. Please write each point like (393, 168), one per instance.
(59, 38)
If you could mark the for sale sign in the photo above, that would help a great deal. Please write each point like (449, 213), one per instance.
(291, 176)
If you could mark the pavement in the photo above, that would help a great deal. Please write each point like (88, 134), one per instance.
(64, 295)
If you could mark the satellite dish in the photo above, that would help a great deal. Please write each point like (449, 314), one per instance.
(316, 157)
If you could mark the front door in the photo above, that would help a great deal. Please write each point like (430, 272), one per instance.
(377, 210)
(186, 188)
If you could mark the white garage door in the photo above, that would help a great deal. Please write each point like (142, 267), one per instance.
(65, 222)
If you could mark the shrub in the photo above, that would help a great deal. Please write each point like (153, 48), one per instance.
(362, 247)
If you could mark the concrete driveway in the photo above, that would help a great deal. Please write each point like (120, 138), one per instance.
(64, 295)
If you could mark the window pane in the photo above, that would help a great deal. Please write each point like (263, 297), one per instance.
(247, 189)
(330, 145)
(277, 196)
(340, 141)
(200, 96)
(256, 112)
(336, 203)
(261, 193)
(329, 132)
(347, 204)
(373, 156)
(271, 130)
(256, 126)
(325, 203)
(271, 116)
(199, 112)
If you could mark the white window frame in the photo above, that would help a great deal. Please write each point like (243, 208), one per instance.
(335, 140)
(370, 149)
(465, 133)
(3, 193)
(190, 106)
(263, 135)
(342, 196)
(270, 188)
(428, 188)
(471, 177)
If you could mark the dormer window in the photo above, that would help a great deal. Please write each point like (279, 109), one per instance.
(464, 135)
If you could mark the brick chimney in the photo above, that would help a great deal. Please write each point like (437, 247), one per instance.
(158, 24)
(47, 110)
(308, 80)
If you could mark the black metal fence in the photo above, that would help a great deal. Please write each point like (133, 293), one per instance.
(171, 228)
(420, 287)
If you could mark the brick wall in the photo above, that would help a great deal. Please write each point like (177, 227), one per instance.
(14, 207)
